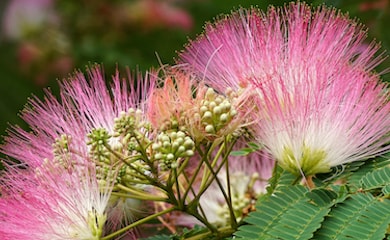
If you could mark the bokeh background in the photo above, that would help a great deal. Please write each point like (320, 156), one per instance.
(42, 41)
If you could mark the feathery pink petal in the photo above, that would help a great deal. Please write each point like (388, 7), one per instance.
(320, 104)
(85, 103)
(52, 203)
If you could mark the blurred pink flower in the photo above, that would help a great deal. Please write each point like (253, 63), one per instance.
(320, 104)
(373, 5)
(43, 48)
(157, 13)
(21, 17)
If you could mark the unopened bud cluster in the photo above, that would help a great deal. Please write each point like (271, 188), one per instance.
(128, 122)
(239, 203)
(130, 176)
(171, 147)
(111, 156)
(131, 129)
(215, 112)
(61, 151)
(98, 138)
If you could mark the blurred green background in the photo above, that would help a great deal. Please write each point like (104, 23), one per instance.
(42, 41)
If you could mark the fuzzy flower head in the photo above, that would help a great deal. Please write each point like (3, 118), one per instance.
(83, 128)
(185, 103)
(319, 102)
(56, 203)
(168, 105)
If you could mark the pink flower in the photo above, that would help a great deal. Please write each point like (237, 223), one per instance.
(22, 17)
(154, 14)
(319, 102)
(184, 102)
(59, 139)
(84, 105)
(168, 105)
(52, 203)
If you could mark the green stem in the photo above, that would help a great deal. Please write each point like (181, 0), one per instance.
(222, 233)
(194, 194)
(206, 173)
(229, 199)
(180, 205)
(137, 194)
(151, 181)
(221, 187)
(203, 220)
(206, 186)
(123, 159)
(182, 166)
(191, 182)
(139, 222)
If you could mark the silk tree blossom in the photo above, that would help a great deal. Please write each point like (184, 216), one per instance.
(169, 104)
(320, 104)
(60, 131)
(83, 106)
(53, 203)
(250, 45)
(332, 125)
(185, 103)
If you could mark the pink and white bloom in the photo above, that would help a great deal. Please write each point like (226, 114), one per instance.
(320, 104)
(52, 203)
(59, 139)
(184, 102)
(85, 104)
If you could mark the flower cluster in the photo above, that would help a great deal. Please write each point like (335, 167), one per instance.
(320, 104)
(178, 147)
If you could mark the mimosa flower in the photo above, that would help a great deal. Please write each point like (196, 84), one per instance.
(169, 104)
(185, 103)
(320, 104)
(61, 133)
(84, 105)
(52, 203)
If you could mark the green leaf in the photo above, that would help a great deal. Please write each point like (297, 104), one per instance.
(280, 178)
(376, 179)
(370, 165)
(338, 172)
(241, 152)
(386, 190)
(322, 197)
(161, 237)
(252, 147)
(305, 217)
(270, 210)
(360, 216)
